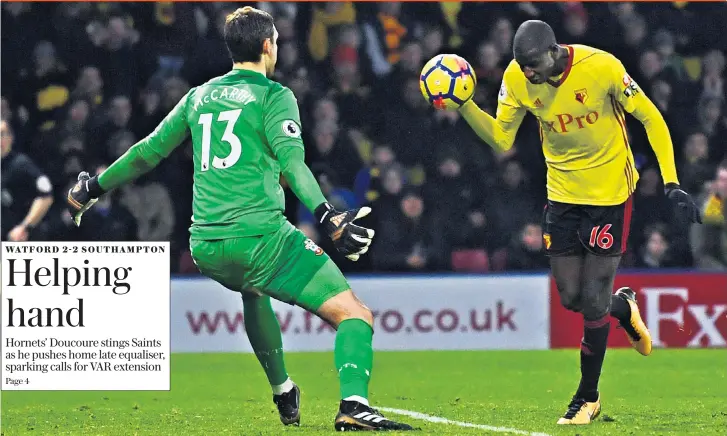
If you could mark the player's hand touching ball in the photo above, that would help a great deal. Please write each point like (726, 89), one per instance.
(349, 239)
(447, 82)
(83, 195)
(683, 203)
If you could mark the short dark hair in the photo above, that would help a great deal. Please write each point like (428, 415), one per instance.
(723, 165)
(246, 30)
(533, 36)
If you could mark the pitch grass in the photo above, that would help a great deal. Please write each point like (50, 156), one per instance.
(671, 392)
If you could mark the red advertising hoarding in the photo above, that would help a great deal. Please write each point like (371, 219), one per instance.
(680, 310)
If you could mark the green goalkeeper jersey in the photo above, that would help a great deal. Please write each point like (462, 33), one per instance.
(244, 128)
(238, 122)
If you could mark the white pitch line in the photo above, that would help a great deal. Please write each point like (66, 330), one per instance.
(439, 420)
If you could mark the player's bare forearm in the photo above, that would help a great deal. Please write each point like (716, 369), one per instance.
(37, 211)
(659, 137)
(487, 127)
(300, 178)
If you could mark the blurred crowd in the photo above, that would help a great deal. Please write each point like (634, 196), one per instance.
(82, 82)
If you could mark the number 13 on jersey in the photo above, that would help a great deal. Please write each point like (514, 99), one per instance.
(229, 118)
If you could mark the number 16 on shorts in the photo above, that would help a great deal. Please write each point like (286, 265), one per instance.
(601, 238)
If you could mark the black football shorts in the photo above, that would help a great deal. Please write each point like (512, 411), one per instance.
(568, 229)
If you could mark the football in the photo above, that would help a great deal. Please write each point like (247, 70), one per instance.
(447, 81)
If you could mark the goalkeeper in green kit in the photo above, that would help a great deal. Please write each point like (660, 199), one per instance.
(246, 132)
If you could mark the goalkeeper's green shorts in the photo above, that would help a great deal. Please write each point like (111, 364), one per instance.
(284, 265)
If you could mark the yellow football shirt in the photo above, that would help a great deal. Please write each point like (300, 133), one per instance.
(582, 127)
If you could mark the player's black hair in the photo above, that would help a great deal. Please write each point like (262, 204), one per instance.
(246, 30)
(723, 165)
(533, 37)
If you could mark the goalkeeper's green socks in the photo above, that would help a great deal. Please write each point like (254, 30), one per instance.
(263, 331)
(354, 356)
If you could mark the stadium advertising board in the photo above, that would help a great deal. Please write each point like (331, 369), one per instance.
(680, 310)
(447, 313)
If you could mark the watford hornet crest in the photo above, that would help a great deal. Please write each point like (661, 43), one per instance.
(581, 95)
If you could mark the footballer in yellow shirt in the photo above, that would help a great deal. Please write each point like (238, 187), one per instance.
(580, 96)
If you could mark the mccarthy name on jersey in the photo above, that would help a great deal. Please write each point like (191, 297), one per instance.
(582, 125)
(238, 95)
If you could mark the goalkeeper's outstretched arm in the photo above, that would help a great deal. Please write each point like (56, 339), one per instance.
(146, 154)
(299, 177)
(282, 121)
(138, 160)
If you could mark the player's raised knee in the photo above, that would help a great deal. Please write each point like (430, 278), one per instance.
(355, 309)
(570, 301)
(365, 314)
(345, 306)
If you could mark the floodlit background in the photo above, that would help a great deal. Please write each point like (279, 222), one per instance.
(82, 82)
